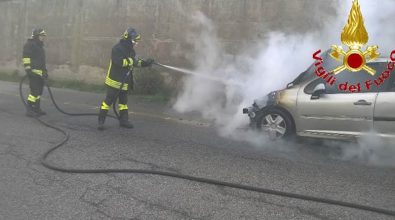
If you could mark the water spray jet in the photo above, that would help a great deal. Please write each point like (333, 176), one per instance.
(226, 82)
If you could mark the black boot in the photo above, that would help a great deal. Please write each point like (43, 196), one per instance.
(102, 118)
(30, 109)
(37, 108)
(124, 119)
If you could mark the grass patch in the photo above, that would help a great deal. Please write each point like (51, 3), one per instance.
(76, 85)
(153, 98)
(11, 75)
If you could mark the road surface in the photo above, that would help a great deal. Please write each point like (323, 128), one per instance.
(165, 140)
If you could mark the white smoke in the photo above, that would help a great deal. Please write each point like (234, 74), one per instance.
(370, 149)
(378, 16)
(281, 58)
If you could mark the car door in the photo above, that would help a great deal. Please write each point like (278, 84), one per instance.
(384, 113)
(338, 113)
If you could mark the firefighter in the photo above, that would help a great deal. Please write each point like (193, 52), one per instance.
(36, 70)
(120, 73)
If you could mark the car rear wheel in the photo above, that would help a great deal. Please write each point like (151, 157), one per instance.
(276, 124)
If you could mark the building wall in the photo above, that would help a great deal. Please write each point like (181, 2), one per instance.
(82, 32)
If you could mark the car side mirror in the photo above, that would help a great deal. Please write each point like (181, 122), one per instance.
(290, 85)
(318, 91)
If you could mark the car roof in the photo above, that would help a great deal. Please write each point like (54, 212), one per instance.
(380, 60)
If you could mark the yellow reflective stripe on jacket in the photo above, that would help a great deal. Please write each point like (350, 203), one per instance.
(115, 84)
(33, 98)
(26, 61)
(125, 63)
(131, 61)
(27, 67)
(38, 72)
(109, 69)
(122, 107)
(104, 106)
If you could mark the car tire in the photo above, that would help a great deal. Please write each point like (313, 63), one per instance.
(277, 124)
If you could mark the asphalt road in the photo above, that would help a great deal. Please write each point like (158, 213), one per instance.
(165, 140)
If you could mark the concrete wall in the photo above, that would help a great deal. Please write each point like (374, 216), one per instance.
(82, 32)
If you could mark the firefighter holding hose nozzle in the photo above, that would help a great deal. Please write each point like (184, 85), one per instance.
(119, 78)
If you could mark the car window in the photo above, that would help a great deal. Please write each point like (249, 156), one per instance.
(309, 89)
(310, 72)
(358, 80)
(391, 87)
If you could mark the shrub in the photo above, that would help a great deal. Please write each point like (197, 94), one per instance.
(148, 81)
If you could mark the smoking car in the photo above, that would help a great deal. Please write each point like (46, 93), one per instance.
(345, 109)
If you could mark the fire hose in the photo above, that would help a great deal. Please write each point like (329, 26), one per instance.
(66, 136)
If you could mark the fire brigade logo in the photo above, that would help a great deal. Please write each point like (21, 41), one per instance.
(355, 36)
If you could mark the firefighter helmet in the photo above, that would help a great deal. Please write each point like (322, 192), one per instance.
(131, 34)
(38, 32)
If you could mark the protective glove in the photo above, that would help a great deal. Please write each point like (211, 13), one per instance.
(148, 62)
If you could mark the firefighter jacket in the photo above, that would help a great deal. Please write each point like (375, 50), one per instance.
(123, 60)
(34, 57)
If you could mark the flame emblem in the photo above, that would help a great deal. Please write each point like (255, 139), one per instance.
(355, 36)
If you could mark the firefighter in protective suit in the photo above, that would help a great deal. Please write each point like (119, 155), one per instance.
(120, 74)
(35, 67)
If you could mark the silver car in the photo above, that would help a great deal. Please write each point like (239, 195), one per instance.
(310, 107)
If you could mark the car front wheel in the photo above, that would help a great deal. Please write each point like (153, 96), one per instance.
(276, 124)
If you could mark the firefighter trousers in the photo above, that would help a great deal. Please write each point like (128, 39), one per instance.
(36, 84)
(111, 97)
